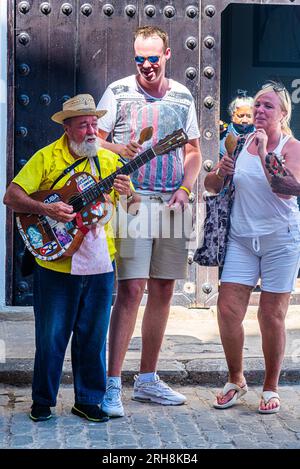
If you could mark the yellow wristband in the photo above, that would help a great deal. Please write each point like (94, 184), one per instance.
(185, 189)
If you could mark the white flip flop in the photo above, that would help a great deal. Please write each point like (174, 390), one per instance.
(240, 391)
(267, 396)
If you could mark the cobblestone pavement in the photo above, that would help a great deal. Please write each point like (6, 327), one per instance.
(194, 425)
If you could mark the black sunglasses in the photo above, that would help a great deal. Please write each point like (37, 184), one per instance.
(153, 59)
(277, 87)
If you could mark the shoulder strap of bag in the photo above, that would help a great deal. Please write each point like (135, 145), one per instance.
(239, 146)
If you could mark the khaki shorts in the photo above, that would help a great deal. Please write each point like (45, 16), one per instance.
(155, 242)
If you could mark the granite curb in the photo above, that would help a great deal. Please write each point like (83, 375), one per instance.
(208, 371)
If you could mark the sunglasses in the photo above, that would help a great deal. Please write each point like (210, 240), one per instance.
(153, 59)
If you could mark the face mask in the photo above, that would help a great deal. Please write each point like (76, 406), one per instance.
(243, 129)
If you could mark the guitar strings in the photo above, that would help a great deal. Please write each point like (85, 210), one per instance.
(138, 161)
(106, 182)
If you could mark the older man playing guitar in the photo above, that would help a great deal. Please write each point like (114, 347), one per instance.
(72, 294)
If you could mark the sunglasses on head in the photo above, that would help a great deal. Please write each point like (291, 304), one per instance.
(277, 87)
(153, 59)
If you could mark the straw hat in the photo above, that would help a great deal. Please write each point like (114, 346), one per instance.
(79, 105)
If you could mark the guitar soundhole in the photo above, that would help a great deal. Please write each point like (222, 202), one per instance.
(76, 202)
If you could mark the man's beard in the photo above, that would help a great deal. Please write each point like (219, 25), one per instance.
(85, 148)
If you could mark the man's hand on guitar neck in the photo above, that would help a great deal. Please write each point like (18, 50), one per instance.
(122, 185)
(129, 199)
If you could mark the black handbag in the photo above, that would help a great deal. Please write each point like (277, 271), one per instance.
(217, 221)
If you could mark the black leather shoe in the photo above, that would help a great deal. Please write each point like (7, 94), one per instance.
(90, 412)
(40, 412)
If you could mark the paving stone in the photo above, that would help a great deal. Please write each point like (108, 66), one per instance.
(149, 442)
(50, 445)
(222, 446)
(231, 429)
(20, 429)
(292, 424)
(3, 421)
(292, 445)
(216, 437)
(194, 442)
(146, 429)
(116, 440)
(243, 442)
(4, 400)
(23, 440)
(127, 447)
(95, 436)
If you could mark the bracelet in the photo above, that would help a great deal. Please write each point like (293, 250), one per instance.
(185, 189)
(217, 173)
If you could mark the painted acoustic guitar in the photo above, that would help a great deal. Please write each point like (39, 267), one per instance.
(48, 239)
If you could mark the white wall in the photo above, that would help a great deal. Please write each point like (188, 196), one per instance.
(3, 130)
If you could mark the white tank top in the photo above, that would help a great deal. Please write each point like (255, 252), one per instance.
(256, 209)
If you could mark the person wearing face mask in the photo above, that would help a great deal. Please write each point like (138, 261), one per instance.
(241, 116)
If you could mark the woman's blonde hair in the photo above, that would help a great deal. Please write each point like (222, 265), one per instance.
(285, 102)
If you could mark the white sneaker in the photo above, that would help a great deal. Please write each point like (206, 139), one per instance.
(156, 391)
(112, 403)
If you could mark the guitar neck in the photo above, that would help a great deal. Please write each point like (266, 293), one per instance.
(177, 139)
(106, 184)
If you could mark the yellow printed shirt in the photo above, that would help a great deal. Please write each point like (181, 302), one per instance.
(46, 165)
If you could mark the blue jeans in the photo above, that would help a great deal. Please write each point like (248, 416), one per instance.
(63, 304)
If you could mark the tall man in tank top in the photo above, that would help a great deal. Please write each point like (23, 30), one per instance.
(149, 98)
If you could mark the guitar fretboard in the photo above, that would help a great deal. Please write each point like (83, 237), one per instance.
(106, 184)
(177, 139)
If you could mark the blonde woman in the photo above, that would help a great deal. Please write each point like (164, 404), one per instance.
(264, 243)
